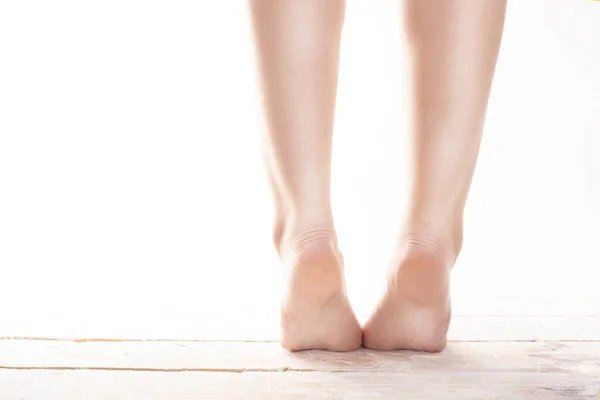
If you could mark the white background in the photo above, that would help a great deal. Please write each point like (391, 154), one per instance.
(131, 188)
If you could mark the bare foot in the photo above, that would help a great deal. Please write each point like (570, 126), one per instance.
(415, 311)
(315, 311)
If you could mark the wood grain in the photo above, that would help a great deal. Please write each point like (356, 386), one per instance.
(489, 357)
(553, 357)
(102, 385)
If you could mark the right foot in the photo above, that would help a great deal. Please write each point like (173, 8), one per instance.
(315, 311)
(414, 313)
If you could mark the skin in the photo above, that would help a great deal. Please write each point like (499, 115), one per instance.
(452, 51)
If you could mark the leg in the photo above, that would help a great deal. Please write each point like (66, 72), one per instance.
(452, 51)
(298, 45)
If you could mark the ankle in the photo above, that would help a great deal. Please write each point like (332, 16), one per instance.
(291, 235)
(442, 244)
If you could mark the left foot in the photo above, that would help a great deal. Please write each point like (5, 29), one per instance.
(316, 312)
(414, 313)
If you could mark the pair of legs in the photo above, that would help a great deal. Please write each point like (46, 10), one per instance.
(452, 51)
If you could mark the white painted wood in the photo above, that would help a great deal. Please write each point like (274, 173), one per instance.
(576, 357)
(264, 327)
(127, 385)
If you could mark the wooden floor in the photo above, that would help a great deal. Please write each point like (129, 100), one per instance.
(489, 357)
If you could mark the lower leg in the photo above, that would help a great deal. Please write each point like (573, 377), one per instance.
(298, 45)
(453, 47)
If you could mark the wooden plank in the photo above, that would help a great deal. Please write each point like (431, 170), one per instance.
(126, 385)
(264, 327)
(577, 357)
